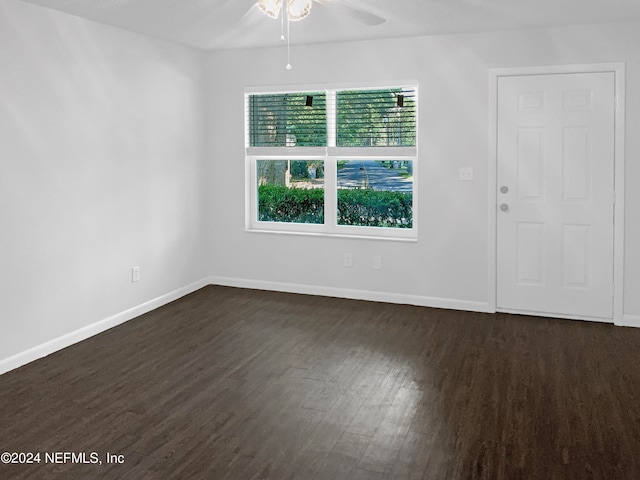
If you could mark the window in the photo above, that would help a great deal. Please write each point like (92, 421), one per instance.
(288, 119)
(369, 118)
(375, 193)
(335, 162)
(290, 191)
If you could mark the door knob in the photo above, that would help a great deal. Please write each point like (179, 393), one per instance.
(504, 207)
(504, 189)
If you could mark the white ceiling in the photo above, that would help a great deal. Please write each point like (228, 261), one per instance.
(221, 24)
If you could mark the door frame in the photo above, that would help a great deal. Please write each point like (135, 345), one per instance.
(618, 69)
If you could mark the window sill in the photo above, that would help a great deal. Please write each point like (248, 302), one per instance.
(334, 235)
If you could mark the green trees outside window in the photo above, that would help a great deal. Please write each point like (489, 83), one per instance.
(288, 120)
(370, 118)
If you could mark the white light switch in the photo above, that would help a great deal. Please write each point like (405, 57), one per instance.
(466, 173)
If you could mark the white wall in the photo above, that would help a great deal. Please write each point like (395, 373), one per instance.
(448, 266)
(101, 168)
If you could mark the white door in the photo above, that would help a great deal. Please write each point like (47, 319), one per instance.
(555, 181)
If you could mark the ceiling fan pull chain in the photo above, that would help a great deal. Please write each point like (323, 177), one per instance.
(282, 27)
(286, 11)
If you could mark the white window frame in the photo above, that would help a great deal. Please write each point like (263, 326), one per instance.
(330, 156)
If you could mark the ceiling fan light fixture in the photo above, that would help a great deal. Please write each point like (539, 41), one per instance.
(296, 9)
(270, 7)
(299, 9)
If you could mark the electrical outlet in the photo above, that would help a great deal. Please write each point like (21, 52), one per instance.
(348, 260)
(377, 262)
(135, 274)
(465, 173)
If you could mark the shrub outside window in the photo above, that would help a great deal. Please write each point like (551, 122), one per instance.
(375, 193)
(290, 191)
(334, 162)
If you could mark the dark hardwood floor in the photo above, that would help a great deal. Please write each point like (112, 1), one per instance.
(237, 384)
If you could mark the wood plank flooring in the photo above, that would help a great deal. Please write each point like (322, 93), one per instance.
(229, 383)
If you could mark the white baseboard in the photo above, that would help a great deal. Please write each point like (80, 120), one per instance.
(630, 321)
(83, 333)
(400, 298)
(100, 326)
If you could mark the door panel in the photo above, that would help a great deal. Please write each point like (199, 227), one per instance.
(530, 163)
(530, 253)
(576, 175)
(576, 256)
(555, 194)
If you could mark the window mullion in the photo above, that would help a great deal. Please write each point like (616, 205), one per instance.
(330, 185)
(331, 118)
(330, 193)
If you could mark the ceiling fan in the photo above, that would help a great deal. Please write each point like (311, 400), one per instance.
(295, 10)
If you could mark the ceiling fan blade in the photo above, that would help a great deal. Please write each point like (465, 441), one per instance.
(358, 13)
